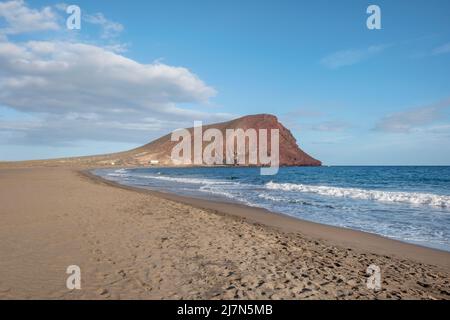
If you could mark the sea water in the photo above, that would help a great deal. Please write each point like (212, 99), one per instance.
(411, 204)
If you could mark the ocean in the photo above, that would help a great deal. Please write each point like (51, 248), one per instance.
(407, 203)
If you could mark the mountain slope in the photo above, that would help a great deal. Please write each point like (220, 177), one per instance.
(160, 149)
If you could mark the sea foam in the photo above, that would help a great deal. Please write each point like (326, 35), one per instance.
(187, 180)
(414, 198)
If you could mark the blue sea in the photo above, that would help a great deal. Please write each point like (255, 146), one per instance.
(410, 204)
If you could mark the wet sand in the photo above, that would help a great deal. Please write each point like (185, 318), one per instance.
(137, 244)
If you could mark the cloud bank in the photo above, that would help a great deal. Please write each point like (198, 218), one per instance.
(75, 91)
(413, 119)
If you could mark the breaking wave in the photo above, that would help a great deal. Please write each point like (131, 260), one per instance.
(118, 173)
(414, 198)
(188, 180)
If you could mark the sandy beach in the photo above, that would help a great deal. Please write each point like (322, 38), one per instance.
(138, 244)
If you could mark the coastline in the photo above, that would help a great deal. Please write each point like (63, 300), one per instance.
(354, 239)
(138, 244)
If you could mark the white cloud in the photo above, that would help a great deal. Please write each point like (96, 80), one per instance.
(330, 126)
(62, 6)
(116, 47)
(350, 57)
(110, 29)
(84, 90)
(59, 77)
(442, 49)
(303, 113)
(70, 91)
(413, 119)
(21, 19)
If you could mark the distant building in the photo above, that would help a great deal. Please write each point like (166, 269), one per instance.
(154, 162)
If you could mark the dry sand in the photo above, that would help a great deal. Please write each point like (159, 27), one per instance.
(135, 244)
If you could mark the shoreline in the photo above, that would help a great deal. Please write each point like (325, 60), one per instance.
(133, 243)
(345, 237)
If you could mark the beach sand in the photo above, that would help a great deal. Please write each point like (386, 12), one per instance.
(136, 244)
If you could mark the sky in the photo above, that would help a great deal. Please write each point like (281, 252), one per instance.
(139, 69)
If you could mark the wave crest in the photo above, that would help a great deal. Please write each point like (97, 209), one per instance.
(187, 180)
(362, 194)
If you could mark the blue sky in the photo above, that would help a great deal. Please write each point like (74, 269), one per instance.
(139, 69)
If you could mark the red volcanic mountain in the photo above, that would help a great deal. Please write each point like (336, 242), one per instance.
(160, 150)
